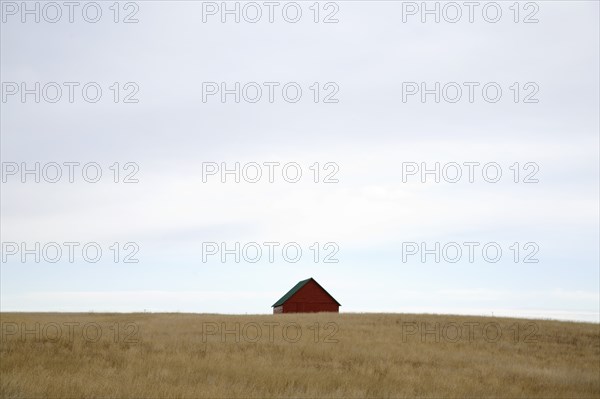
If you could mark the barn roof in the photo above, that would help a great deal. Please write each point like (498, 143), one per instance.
(296, 288)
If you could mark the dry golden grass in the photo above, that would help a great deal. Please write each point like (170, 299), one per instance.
(359, 355)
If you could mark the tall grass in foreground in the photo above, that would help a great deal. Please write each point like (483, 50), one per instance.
(295, 355)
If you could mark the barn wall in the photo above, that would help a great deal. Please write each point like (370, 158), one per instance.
(278, 309)
(310, 298)
(310, 307)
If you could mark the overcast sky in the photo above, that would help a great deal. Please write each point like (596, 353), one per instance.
(367, 138)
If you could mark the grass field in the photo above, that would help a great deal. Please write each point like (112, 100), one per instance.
(147, 355)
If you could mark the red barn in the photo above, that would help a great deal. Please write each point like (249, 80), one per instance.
(306, 297)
